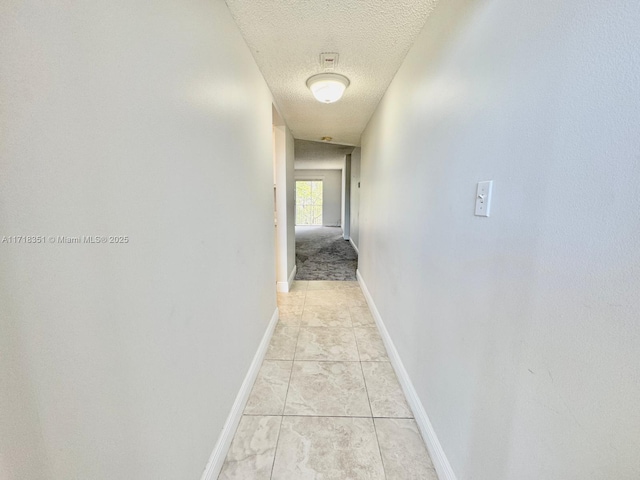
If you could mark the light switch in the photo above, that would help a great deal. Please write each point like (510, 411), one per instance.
(483, 198)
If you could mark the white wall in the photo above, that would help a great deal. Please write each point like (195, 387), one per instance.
(355, 196)
(331, 193)
(285, 193)
(150, 120)
(291, 203)
(345, 219)
(520, 331)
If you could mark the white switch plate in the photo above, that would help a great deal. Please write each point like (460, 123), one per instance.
(483, 198)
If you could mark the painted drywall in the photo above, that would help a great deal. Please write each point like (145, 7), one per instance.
(355, 197)
(291, 204)
(285, 201)
(345, 220)
(519, 331)
(331, 193)
(150, 121)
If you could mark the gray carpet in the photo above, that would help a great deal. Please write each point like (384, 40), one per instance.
(322, 254)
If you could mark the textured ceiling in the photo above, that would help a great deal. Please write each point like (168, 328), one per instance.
(319, 156)
(286, 38)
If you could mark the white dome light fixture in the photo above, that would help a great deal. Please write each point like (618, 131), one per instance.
(328, 87)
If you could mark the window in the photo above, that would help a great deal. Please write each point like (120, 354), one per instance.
(309, 202)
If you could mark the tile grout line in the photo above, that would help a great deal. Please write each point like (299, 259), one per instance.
(373, 422)
(275, 450)
(375, 430)
(366, 389)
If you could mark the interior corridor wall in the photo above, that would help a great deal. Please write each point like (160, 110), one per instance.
(291, 203)
(285, 197)
(519, 331)
(147, 121)
(331, 193)
(355, 196)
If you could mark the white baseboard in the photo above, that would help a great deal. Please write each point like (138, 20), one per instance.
(292, 276)
(438, 457)
(354, 246)
(284, 287)
(216, 460)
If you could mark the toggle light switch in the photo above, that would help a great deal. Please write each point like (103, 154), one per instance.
(483, 198)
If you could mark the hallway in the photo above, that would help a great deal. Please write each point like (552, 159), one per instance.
(482, 158)
(327, 403)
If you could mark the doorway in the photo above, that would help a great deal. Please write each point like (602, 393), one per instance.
(308, 202)
(284, 207)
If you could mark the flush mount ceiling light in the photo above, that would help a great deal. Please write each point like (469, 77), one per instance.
(328, 87)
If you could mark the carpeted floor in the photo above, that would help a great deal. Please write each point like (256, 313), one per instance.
(322, 254)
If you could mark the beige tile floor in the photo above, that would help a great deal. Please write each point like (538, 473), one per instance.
(326, 404)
